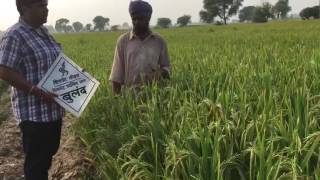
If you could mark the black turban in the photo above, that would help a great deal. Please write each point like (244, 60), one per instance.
(140, 7)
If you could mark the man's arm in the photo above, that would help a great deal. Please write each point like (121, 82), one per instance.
(165, 74)
(117, 71)
(116, 88)
(16, 80)
(165, 61)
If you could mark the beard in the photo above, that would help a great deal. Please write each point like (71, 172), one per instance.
(141, 29)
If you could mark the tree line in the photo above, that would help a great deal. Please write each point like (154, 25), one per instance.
(265, 12)
(99, 24)
(218, 11)
(225, 9)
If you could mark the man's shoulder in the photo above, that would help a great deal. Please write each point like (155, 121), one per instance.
(124, 37)
(158, 37)
(14, 31)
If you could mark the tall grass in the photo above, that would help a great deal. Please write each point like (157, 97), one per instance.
(243, 103)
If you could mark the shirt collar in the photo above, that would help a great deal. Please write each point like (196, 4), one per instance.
(24, 23)
(39, 29)
(132, 35)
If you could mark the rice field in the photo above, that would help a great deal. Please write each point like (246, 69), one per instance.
(243, 103)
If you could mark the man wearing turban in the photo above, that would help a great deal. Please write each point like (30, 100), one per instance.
(141, 56)
(27, 51)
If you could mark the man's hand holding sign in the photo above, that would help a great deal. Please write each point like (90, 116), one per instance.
(70, 86)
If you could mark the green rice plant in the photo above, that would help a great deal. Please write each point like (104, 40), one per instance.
(242, 103)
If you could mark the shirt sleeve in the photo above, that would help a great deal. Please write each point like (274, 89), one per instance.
(117, 71)
(164, 57)
(10, 52)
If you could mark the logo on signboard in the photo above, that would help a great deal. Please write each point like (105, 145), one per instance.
(63, 70)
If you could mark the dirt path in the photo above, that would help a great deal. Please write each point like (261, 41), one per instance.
(11, 154)
(69, 163)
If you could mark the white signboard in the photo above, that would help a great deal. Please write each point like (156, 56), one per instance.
(73, 86)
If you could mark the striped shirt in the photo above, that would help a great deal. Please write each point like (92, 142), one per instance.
(30, 52)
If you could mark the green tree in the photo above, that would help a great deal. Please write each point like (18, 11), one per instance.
(268, 10)
(88, 27)
(164, 22)
(310, 12)
(263, 13)
(100, 23)
(224, 9)
(206, 16)
(282, 8)
(125, 25)
(69, 29)
(77, 26)
(115, 28)
(259, 15)
(184, 20)
(61, 25)
(247, 13)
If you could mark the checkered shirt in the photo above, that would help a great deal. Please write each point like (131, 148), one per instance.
(30, 52)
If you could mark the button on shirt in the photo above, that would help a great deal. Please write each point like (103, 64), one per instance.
(30, 52)
(134, 58)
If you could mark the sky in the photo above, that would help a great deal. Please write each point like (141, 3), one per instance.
(117, 10)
